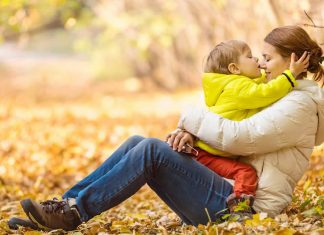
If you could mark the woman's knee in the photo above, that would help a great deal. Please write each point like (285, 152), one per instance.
(156, 147)
(154, 143)
(135, 139)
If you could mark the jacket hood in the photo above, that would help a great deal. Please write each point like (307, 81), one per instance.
(213, 85)
(317, 94)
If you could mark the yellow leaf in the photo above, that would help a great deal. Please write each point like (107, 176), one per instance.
(306, 185)
(286, 231)
(76, 233)
(33, 233)
(137, 216)
(256, 221)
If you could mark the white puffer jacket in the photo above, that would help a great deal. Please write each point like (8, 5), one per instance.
(277, 141)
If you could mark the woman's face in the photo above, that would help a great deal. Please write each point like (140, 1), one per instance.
(273, 63)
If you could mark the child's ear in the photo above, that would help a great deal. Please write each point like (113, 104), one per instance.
(233, 68)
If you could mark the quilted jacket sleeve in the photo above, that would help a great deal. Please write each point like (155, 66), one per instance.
(276, 127)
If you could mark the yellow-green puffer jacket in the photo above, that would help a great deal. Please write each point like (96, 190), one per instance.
(237, 97)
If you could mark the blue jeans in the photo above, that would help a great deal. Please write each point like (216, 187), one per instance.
(185, 185)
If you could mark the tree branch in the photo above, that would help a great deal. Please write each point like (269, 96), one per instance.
(314, 26)
(309, 18)
(313, 23)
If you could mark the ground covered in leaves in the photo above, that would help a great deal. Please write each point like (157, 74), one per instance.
(51, 139)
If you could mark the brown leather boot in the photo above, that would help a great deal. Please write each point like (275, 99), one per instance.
(52, 214)
(14, 223)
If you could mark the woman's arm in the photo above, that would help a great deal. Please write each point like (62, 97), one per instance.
(276, 127)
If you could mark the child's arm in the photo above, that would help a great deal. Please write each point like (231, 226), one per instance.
(250, 95)
(299, 66)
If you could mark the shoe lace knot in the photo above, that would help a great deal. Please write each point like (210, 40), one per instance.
(54, 206)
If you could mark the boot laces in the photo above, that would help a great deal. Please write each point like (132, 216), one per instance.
(54, 206)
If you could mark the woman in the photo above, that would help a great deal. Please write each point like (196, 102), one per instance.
(277, 140)
(277, 147)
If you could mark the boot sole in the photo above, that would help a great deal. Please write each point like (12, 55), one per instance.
(14, 223)
(32, 214)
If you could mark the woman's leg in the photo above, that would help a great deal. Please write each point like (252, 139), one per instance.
(189, 188)
(185, 185)
(104, 167)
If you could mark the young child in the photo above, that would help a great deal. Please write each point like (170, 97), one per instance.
(234, 88)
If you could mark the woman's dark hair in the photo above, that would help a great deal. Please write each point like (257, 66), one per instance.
(289, 39)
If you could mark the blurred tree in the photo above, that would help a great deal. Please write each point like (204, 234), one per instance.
(25, 17)
(161, 41)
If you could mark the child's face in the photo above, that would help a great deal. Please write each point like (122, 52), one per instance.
(249, 65)
(273, 63)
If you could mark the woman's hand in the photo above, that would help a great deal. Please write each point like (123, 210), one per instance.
(179, 140)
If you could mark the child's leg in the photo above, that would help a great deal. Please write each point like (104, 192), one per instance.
(244, 175)
(244, 186)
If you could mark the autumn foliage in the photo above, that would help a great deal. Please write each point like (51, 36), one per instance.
(47, 143)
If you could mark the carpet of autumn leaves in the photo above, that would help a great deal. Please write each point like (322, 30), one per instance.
(49, 140)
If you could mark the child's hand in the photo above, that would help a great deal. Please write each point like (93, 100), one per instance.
(299, 66)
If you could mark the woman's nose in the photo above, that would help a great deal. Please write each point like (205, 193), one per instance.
(262, 65)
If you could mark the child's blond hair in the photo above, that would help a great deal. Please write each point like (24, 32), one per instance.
(224, 54)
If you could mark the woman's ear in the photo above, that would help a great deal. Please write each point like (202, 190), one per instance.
(233, 68)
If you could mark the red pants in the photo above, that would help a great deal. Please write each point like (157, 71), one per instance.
(245, 176)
